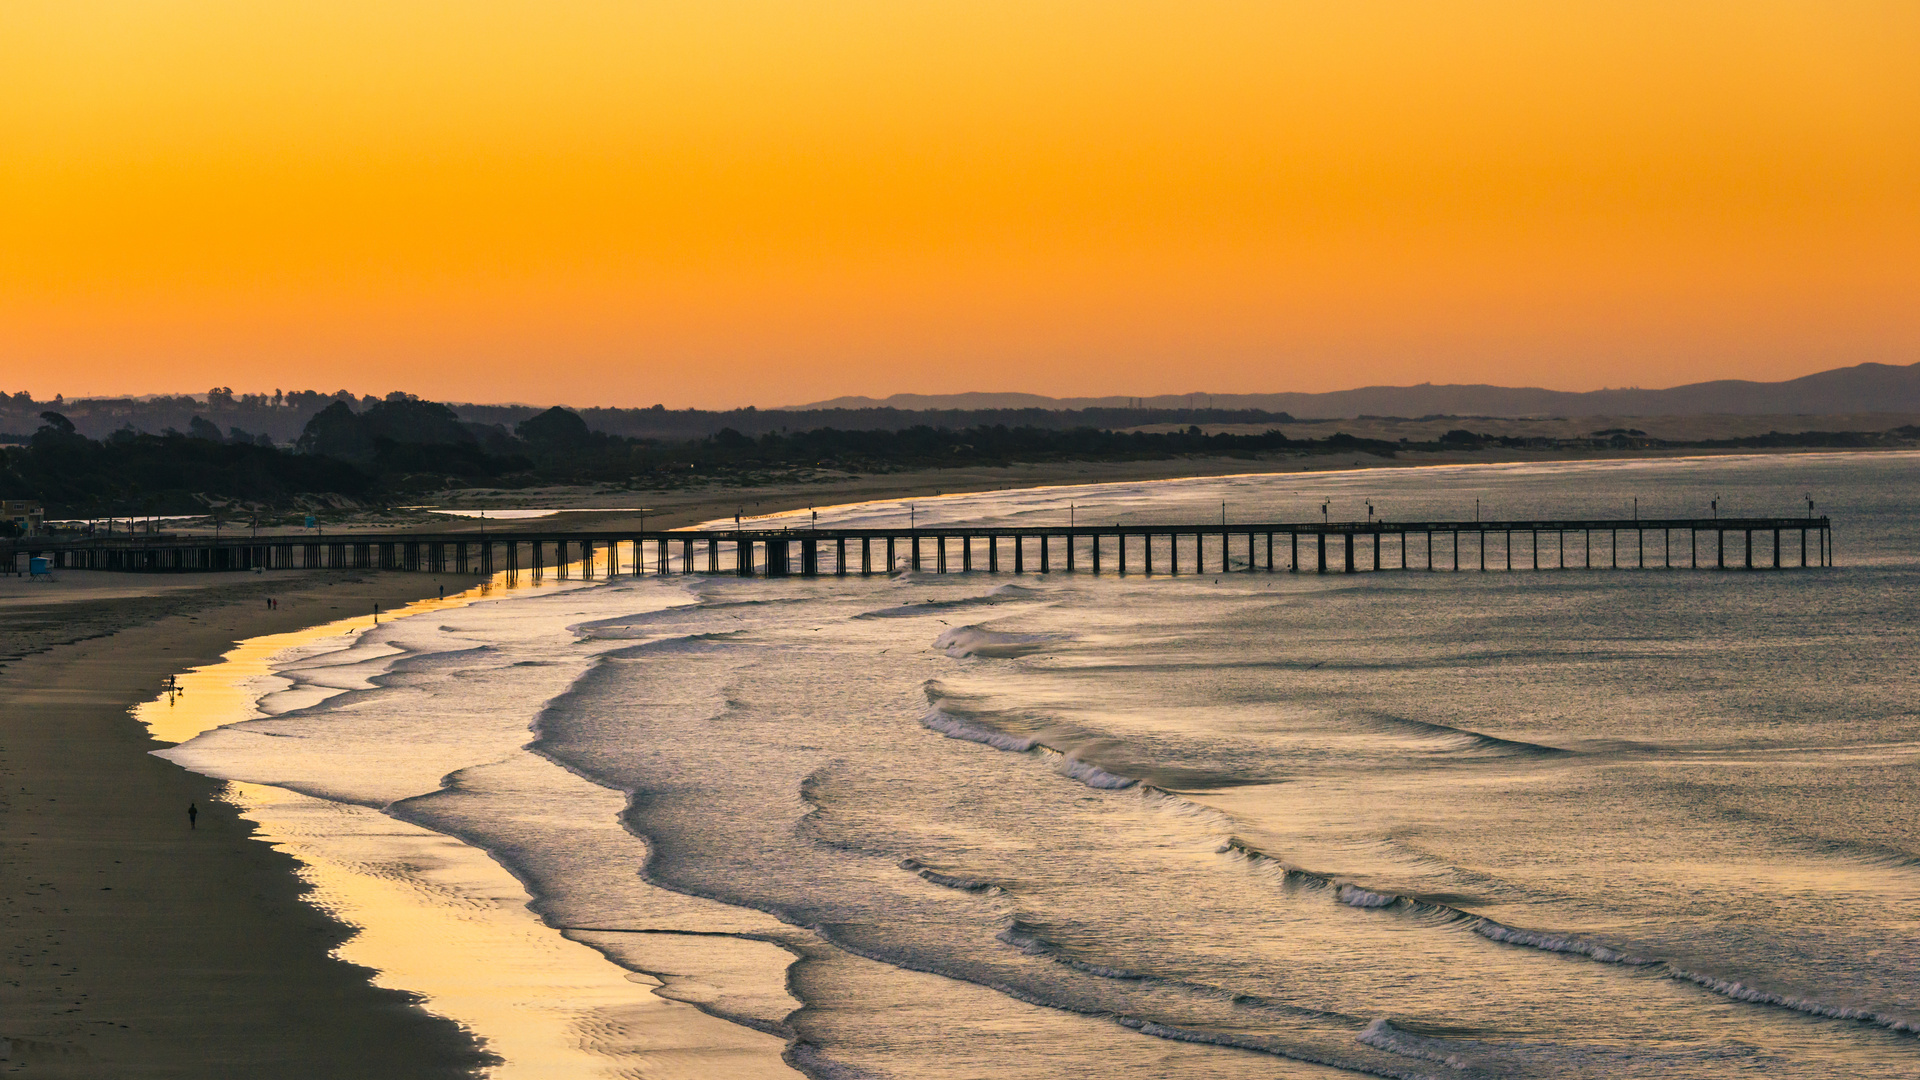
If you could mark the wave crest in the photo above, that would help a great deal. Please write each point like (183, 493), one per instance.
(961, 642)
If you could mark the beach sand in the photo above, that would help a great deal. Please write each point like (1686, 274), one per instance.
(134, 946)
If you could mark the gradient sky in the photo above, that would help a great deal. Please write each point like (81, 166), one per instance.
(731, 202)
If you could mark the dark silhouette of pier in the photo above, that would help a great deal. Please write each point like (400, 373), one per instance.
(1313, 547)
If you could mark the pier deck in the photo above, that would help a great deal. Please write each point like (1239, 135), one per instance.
(1311, 547)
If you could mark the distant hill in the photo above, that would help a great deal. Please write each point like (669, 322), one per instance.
(1861, 388)
(279, 420)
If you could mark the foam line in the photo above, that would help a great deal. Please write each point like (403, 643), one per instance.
(1565, 944)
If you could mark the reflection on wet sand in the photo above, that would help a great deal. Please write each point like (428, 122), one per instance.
(438, 918)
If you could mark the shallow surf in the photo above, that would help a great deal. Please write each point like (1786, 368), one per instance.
(1607, 823)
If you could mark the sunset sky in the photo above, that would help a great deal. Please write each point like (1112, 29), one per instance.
(731, 202)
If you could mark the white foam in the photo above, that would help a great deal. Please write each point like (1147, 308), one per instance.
(954, 727)
(1093, 775)
(1382, 1035)
(964, 641)
(1358, 897)
(1741, 992)
(1535, 939)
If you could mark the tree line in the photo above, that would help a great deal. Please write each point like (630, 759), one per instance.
(377, 451)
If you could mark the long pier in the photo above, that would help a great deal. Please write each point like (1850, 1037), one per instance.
(1312, 547)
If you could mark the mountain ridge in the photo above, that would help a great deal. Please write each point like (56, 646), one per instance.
(1858, 388)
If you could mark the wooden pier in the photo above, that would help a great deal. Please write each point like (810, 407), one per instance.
(1314, 547)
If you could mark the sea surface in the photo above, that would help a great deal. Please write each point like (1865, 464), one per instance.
(1581, 823)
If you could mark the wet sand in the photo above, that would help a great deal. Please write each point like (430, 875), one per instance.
(134, 946)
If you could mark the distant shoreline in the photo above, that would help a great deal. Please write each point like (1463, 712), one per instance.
(601, 508)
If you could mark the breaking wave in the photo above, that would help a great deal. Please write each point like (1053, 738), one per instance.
(1093, 775)
(1567, 944)
(1382, 1035)
(1446, 737)
(949, 881)
(964, 641)
(955, 727)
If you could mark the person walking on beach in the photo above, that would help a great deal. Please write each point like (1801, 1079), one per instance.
(193, 816)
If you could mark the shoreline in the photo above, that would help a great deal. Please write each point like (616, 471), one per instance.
(606, 508)
(437, 913)
(183, 969)
(140, 947)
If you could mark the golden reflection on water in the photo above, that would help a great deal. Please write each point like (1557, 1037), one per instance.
(435, 917)
(438, 918)
(224, 692)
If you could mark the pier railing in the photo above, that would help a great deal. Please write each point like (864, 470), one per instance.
(1311, 547)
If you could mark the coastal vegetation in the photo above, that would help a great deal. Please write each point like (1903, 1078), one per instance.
(379, 451)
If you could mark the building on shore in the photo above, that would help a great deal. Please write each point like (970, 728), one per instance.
(27, 518)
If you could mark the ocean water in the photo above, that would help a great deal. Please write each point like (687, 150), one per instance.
(1593, 823)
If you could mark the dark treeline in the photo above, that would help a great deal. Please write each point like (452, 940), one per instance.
(680, 425)
(280, 417)
(376, 451)
(156, 474)
(271, 419)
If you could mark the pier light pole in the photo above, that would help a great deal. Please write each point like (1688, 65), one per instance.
(1324, 518)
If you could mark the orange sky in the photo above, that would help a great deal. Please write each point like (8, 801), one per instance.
(748, 202)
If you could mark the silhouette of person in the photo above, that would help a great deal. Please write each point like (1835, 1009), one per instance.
(193, 816)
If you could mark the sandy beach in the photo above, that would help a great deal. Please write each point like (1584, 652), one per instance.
(138, 947)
